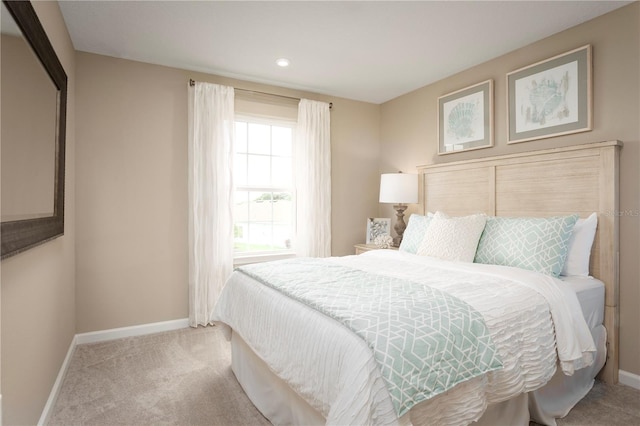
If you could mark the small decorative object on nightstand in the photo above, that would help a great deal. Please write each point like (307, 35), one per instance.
(361, 248)
(400, 189)
(383, 241)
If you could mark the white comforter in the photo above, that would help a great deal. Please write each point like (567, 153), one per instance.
(335, 371)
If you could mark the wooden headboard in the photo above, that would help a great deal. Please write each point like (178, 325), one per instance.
(579, 179)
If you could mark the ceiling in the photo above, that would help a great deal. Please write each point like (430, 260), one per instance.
(367, 51)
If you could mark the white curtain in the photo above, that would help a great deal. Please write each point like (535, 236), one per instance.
(211, 130)
(313, 179)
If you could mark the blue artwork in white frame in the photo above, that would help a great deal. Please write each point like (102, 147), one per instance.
(551, 98)
(465, 119)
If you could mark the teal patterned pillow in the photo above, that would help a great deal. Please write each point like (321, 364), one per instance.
(537, 244)
(414, 234)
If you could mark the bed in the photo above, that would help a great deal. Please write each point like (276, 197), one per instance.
(299, 365)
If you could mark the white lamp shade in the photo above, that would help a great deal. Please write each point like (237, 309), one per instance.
(399, 188)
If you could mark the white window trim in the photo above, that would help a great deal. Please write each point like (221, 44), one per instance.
(247, 259)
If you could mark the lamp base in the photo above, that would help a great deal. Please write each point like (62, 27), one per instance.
(400, 226)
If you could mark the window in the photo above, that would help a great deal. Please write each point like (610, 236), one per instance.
(264, 198)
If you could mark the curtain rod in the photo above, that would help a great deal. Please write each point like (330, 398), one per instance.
(193, 83)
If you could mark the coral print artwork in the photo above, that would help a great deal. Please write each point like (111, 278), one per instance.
(551, 98)
(548, 98)
(465, 119)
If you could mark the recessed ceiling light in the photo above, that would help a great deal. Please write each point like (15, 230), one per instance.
(282, 62)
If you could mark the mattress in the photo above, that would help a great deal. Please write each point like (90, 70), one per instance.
(265, 327)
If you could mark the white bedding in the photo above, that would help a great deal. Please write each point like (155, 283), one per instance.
(334, 370)
(590, 293)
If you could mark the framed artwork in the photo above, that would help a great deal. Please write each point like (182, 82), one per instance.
(465, 119)
(551, 98)
(377, 226)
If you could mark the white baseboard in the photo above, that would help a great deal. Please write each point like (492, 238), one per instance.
(101, 336)
(135, 330)
(629, 379)
(46, 412)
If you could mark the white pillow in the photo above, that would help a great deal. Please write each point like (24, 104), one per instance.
(414, 234)
(580, 243)
(453, 238)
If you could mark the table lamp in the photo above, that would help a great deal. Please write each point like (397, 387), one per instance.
(399, 189)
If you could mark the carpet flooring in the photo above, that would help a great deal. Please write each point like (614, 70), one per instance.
(184, 377)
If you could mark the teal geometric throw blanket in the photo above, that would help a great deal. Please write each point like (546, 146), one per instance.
(424, 340)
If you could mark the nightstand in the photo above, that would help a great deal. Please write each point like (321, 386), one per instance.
(361, 248)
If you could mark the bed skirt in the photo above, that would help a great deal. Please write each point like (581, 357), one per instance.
(283, 406)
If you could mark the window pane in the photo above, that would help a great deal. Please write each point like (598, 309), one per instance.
(281, 167)
(240, 142)
(281, 140)
(259, 139)
(260, 220)
(259, 170)
(241, 221)
(282, 220)
(260, 206)
(263, 220)
(241, 212)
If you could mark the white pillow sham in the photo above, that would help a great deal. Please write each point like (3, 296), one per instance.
(453, 238)
(579, 247)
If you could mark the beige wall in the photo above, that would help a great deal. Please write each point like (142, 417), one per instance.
(132, 187)
(38, 299)
(408, 132)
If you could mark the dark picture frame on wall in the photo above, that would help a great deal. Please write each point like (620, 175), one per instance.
(551, 98)
(23, 232)
(465, 119)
